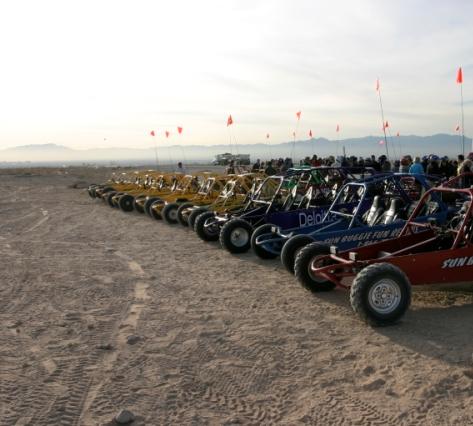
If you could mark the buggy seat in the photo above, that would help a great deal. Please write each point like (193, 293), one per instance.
(375, 212)
(392, 214)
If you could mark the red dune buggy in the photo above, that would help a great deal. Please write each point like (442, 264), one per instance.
(384, 272)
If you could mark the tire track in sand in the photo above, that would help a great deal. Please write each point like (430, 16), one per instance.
(124, 328)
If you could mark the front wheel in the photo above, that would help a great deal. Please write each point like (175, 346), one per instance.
(125, 203)
(206, 232)
(91, 190)
(148, 203)
(180, 213)
(154, 211)
(196, 212)
(380, 294)
(108, 197)
(169, 213)
(307, 257)
(259, 249)
(138, 203)
(291, 249)
(235, 236)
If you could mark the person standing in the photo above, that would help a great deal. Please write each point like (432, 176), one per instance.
(416, 168)
(180, 168)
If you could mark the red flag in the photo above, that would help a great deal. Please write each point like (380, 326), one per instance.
(167, 133)
(460, 76)
(179, 130)
(338, 128)
(229, 121)
(151, 133)
(457, 128)
(298, 114)
(310, 133)
(267, 135)
(377, 85)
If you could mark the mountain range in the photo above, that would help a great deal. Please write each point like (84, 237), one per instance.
(440, 144)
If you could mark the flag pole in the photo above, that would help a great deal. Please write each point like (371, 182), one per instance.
(298, 119)
(400, 146)
(293, 151)
(156, 154)
(269, 147)
(460, 82)
(153, 136)
(171, 160)
(459, 134)
(393, 143)
(378, 87)
(338, 141)
(179, 132)
(463, 121)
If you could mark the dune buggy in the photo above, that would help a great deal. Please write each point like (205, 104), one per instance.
(423, 253)
(135, 198)
(303, 194)
(207, 193)
(117, 182)
(156, 187)
(203, 185)
(233, 196)
(378, 204)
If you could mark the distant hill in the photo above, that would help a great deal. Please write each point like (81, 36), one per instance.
(440, 144)
(46, 147)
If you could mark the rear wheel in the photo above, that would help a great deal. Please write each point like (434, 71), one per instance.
(148, 203)
(259, 249)
(136, 203)
(180, 217)
(169, 213)
(91, 190)
(155, 213)
(125, 202)
(194, 215)
(291, 249)
(115, 198)
(206, 233)
(235, 236)
(103, 191)
(108, 197)
(303, 263)
(380, 294)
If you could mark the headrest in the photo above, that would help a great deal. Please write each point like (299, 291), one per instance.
(396, 204)
(465, 207)
(377, 202)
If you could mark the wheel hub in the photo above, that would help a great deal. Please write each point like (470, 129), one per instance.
(239, 237)
(384, 296)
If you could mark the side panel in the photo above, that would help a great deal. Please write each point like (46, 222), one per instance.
(309, 217)
(444, 266)
(356, 237)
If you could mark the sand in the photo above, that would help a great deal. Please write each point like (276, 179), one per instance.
(102, 311)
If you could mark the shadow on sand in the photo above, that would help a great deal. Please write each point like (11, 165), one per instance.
(437, 331)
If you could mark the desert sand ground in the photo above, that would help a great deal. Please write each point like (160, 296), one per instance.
(215, 338)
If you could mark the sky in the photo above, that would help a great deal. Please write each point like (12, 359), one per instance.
(104, 73)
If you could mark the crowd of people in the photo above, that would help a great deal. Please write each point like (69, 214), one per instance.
(432, 165)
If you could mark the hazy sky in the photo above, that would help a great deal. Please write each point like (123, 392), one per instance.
(78, 72)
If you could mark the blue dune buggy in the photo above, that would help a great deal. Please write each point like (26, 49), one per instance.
(382, 203)
(299, 198)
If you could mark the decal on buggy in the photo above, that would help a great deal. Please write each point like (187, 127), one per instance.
(364, 237)
(457, 262)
